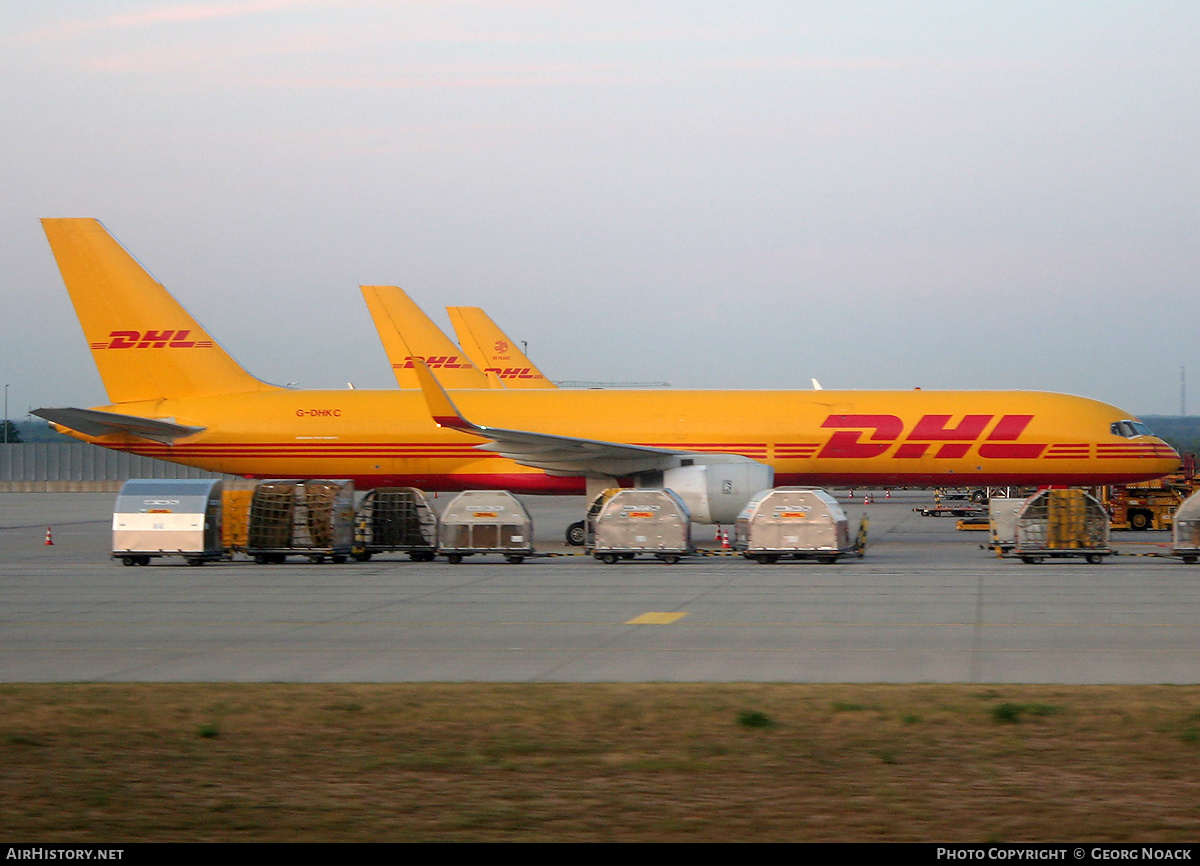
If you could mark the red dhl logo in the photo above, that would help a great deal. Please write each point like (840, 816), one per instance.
(434, 362)
(931, 431)
(513, 372)
(151, 340)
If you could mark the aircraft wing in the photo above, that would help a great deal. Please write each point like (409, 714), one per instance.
(92, 422)
(558, 455)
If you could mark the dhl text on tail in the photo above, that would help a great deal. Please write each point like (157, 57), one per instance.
(175, 394)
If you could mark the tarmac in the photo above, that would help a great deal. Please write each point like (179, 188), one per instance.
(925, 604)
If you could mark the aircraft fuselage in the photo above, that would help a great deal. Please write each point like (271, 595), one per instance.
(884, 438)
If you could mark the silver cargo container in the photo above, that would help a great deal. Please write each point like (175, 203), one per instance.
(1185, 530)
(623, 523)
(485, 521)
(168, 516)
(309, 518)
(1062, 523)
(803, 522)
(396, 518)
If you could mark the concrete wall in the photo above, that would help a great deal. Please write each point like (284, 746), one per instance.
(42, 466)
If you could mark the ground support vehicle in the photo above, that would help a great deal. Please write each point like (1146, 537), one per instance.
(797, 522)
(314, 519)
(983, 494)
(1150, 505)
(625, 523)
(395, 518)
(156, 517)
(1062, 523)
(485, 521)
(951, 510)
(979, 522)
(950, 504)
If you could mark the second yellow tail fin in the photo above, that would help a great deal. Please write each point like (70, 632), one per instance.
(408, 335)
(145, 345)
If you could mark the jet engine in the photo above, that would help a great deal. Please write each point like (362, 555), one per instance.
(714, 487)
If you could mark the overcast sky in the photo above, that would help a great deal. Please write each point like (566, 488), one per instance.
(716, 194)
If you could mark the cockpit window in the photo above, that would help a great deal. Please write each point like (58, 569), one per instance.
(1129, 429)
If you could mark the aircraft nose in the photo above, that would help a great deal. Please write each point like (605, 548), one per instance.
(1166, 458)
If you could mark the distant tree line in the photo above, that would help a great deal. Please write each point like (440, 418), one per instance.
(33, 431)
(1181, 432)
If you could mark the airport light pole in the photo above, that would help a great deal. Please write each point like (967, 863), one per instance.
(5, 413)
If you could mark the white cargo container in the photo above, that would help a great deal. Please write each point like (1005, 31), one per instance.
(621, 523)
(485, 521)
(168, 517)
(802, 522)
(1185, 530)
(1002, 520)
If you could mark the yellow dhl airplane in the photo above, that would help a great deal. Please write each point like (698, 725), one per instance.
(176, 395)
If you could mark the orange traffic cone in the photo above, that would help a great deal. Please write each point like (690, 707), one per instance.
(725, 539)
(866, 499)
(887, 494)
(49, 538)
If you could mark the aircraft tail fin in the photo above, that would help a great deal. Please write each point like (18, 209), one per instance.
(145, 345)
(408, 335)
(492, 350)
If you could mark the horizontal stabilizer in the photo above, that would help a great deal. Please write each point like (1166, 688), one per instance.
(92, 422)
(559, 455)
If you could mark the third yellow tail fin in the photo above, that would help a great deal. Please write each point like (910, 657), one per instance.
(492, 351)
(146, 346)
